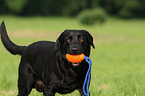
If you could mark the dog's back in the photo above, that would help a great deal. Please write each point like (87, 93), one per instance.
(40, 53)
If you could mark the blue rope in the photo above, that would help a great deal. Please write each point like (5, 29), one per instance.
(88, 77)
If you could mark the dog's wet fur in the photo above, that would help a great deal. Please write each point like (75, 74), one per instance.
(43, 64)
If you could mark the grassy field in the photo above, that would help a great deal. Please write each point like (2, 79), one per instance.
(118, 59)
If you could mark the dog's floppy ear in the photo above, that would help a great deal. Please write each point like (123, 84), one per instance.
(59, 41)
(90, 39)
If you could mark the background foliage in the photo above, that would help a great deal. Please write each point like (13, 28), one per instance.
(121, 8)
(92, 16)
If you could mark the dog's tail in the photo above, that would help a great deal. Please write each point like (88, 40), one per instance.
(9, 45)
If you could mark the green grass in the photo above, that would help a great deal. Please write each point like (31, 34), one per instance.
(118, 59)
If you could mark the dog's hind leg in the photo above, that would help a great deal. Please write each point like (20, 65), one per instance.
(25, 80)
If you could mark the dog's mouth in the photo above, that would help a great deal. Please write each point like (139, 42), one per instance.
(75, 64)
(75, 60)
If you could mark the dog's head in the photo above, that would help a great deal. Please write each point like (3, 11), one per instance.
(75, 42)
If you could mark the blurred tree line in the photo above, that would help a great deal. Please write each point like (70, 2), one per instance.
(121, 8)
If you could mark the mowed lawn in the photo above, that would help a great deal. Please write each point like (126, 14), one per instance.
(118, 59)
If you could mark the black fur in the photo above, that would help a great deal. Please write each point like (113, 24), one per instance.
(44, 66)
(9, 45)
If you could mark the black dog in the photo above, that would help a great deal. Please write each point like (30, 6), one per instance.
(44, 66)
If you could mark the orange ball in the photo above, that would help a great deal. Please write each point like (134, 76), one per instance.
(75, 58)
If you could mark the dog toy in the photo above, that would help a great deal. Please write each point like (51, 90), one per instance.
(78, 59)
(75, 58)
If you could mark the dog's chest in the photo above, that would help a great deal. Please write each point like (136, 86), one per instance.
(69, 84)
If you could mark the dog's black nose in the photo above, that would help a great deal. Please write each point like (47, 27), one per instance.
(74, 50)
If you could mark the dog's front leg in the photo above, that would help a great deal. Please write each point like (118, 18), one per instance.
(81, 92)
(48, 92)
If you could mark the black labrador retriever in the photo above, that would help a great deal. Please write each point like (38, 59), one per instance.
(44, 65)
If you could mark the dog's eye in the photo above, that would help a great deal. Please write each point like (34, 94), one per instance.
(68, 40)
(82, 40)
